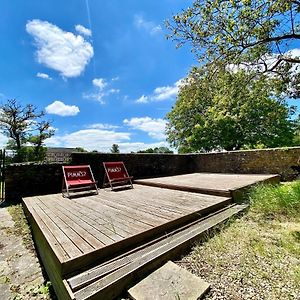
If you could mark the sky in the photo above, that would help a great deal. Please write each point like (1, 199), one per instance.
(103, 71)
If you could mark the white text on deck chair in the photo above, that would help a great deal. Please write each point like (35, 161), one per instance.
(116, 174)
(78, 179)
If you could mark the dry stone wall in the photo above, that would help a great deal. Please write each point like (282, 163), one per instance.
(31, 179)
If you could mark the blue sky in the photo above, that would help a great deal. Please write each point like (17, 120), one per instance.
(103, 71)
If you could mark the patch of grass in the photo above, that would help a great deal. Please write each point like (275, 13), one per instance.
(4, 279)
(21, 227)
(258, 256)
(43, 289)
(281, 200)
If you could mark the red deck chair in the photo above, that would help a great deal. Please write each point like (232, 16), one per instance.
(116, 174)
(77, 179)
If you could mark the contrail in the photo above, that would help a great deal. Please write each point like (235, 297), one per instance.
(91, 28)
(88, 13)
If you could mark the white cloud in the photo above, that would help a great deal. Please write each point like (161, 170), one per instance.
(268, 61)
(101, 91)
(44, 76)
(154, 127)
(90, 139)
(58, 49)
(100, 83)
(101, 140)
(149, 26)
(102, 126)
(166, 92)
(61, 109)
(161, 93)
(82, 30)
(142, 99)
(3, 140)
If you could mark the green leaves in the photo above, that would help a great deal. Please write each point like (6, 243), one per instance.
(23, 125)
(235, 31)
(223, 110)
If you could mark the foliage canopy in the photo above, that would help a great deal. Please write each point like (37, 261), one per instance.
(25, 128)
(255, 34)
(230, 112)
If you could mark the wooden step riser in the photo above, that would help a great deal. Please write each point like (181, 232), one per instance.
(115, 283)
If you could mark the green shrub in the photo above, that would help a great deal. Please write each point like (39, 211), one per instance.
(276, 200)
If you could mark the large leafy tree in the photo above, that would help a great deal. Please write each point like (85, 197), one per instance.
(258, 34)
(231, 112)
(25, 128)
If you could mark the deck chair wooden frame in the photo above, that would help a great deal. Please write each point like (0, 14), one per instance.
(116, 175)
(78, 179)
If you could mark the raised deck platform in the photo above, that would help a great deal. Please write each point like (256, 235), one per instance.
(82, 231)
(209, 183)
(93, 246)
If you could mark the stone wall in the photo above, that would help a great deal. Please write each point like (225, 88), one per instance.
(36, 179)
(138, 165)
(31, 179)
(265, 161)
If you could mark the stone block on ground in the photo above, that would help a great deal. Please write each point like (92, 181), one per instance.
(170, 282)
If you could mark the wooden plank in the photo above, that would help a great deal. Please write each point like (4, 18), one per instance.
(185, 188)
(219, 184)
(89, 224)
(116, 217)
(59, 234)
(91, 275)
(175, 201)
(136, 212)
(130, 213)
(95, 219)
(113, 284)
(62, 223)
(59, 251)
(49, 259)
(85, 232)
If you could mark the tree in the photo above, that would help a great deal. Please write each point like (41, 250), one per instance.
(255, 34)
(24, 127)
(231, 112)
(80, 149)
(115, 148)
(156, 150)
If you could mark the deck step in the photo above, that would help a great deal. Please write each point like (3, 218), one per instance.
(110, 279)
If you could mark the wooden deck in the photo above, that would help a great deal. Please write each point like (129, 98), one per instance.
(209, 183)
(93, 246)
(81, 231)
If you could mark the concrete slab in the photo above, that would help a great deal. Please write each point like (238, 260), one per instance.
(170, 282)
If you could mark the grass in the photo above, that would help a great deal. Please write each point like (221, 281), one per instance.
(276, 201)
(258, 256)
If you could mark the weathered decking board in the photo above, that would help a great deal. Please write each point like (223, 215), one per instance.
(81, 231)
(209, 183)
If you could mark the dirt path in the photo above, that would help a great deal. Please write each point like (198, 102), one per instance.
(20, 272)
